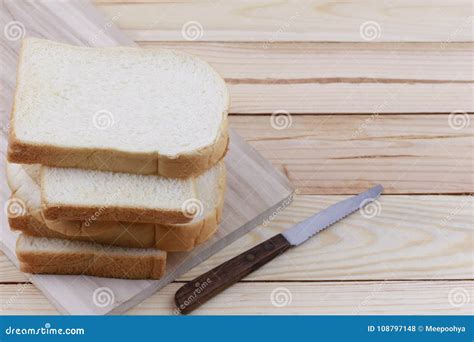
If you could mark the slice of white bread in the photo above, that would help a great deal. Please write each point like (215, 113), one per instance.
(56, 256)
(29, 219)
(122, 109)
(76, 194)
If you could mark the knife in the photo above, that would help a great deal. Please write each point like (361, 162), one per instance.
(196, 292)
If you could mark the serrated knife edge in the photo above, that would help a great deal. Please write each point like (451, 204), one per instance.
(304, 230)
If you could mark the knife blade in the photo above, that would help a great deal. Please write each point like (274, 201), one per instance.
(304, 230)
(196, 292)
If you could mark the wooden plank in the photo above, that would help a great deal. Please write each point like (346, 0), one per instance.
(316, 20)
(327, 298)
(341, 78)
(9, 273)
(332, 62)
(412, 237)
(322, 298)
(254, 187)
(343, 98)
(341, 154)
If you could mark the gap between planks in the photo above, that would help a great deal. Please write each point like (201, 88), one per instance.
(316, 20)
(346, 154)
(410, 237)
(336, 62)
(341, 78)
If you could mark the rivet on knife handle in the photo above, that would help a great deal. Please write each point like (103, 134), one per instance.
(199, 290)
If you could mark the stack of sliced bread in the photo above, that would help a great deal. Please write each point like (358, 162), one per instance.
(115, 158)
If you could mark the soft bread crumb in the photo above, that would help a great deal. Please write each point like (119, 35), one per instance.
(127, 99)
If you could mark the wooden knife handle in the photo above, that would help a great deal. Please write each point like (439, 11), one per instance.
(196, 292)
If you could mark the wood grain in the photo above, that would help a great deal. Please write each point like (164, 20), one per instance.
(413, 237)
(346, 154)
(349, 298)
(9, 273)
(340, 98)
(341, 78)
(315, 62)
(275, 57)
(317, 77)
(254, 188)
(316, 20)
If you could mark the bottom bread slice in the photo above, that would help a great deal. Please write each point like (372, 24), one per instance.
(56, 256)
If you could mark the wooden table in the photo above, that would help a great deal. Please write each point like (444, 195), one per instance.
(339, 96)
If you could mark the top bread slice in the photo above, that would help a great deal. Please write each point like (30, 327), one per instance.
(89, 195)
(143, 111)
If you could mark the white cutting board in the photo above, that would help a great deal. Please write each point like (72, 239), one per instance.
(254, 187)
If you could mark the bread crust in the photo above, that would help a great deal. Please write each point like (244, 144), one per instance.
(53, 211)
(93, 263)
(170, 238)
(178, 238)
(111, 213)
(182, 165)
